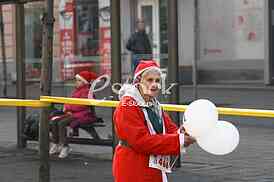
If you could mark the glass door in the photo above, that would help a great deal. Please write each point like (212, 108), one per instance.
(149, 11)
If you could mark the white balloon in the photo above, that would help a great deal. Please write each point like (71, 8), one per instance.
(200, 129)
(200, 117)
(220, 141)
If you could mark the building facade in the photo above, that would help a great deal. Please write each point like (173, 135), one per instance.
(228, 40)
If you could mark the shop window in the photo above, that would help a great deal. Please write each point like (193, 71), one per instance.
(163, 33)
(87, 24)
(33, 40)
(33, 32)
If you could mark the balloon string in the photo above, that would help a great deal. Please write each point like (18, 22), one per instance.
(184, 120)
(177, 157)
(173, 163)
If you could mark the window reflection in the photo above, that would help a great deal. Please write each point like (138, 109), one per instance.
(87, 27)
(33, 43)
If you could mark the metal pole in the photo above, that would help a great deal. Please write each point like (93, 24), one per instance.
(20, 72)
(173, 58)
(268, 54)
(115, 51)
(46, 78)
(196, 49)
(3, 46)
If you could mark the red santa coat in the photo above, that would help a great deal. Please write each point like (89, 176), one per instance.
(130, 164)
(81, 113)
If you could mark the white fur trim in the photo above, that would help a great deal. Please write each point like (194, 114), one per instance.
(132, 91)
(123, 90)
(148, 68)
(81, 78)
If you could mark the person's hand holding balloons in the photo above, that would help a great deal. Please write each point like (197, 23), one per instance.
(188, 140)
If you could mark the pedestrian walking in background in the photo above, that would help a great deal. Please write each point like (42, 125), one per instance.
(72, 116)
(147, 135)
(139, 45)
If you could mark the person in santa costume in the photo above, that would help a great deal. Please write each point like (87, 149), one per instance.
(72, 116)
(147, 136)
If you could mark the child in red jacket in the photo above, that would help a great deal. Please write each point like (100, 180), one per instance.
(73, 116)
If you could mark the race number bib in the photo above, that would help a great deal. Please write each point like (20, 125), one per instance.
(161, 162)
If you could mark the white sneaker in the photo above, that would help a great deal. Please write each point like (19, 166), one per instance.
(69, 131)
(65, 152)
(55, 148)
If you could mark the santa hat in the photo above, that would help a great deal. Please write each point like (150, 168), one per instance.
(145, 65)
(86, 76)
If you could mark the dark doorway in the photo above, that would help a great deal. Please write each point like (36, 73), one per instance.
(271, 40)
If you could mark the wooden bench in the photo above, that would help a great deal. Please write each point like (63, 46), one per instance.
(90, 128)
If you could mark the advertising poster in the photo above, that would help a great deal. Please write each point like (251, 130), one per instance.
(105, 37)
(67, 38)
(231, 30)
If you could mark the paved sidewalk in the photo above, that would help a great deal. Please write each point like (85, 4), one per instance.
(252, 161)
(22, 166)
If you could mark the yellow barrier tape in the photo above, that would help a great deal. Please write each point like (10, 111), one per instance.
(93, 102)
(174, 108)
(226, 111)
(166, 107)
(46, 100)
(23, 103)
(246, 112)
